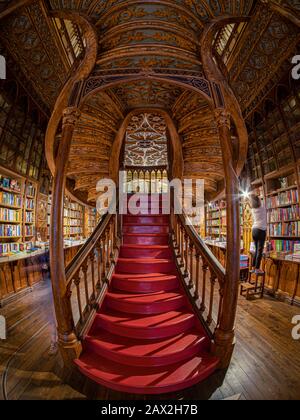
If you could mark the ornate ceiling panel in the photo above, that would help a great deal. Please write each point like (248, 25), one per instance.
(142, 94)
(29, 38)
(146, 141)
(268, 41)
(202, 9)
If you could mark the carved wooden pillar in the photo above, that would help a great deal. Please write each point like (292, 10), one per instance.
(224, 336)
(68, 343)
(285, 11)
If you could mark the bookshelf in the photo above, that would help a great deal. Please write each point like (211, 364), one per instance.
(91, 220)
(216, 220)
(17, 213)
(282, 202)
(73, 219)
(29, 218)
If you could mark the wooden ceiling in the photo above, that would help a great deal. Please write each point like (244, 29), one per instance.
(144, 35)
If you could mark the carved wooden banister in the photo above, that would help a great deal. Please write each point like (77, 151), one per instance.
(89, 272)
(203, 250)
(203, 276)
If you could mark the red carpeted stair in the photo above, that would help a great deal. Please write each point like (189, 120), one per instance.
(146, 338)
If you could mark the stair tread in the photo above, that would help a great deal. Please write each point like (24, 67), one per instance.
(146, 260)
(147, 379)
(145, 224)
(148, 277)
(137, 246)
(164, 320)
(147, 234)
(154, 297)
(132, 347)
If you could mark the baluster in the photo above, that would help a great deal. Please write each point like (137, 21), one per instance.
(99, 264)
(221, 293)
(186, 255)
(191, 263)
(106, 265)
(197, 272)
(103, 256)
(204, 275)
(85, 278)
(177, 236)
(77, 284)
(213, 279)
(92, 260)
(156, 180)
(112, 248)
(182, 245)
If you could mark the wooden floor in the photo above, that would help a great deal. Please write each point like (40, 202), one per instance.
(266, 362)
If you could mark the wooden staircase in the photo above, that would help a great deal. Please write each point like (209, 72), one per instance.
(145, 337)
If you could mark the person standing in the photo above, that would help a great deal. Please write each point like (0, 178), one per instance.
(259, 231)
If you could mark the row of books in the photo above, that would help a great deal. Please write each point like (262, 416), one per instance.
(9, 215)
(281, 215)
(72, 214)
(10, 230)
(283, 246)
(29, 217)
(213, 231)
(215, 222)
(74, 206)
(74, 230)
(285, 229)
(29, 203)
(10, 199)
(15, 248)
(29, 230)
(10, 183)
(74, 222)
(30, 190)
(283, 199)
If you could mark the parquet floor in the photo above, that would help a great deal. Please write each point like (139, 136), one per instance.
(266, 362)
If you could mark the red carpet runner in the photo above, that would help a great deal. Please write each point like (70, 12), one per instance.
(145, 338)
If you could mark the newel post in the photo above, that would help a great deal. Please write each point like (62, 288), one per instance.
(68, 343)
(224, 334)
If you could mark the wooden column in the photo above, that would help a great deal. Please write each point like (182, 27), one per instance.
(68, 343)
(224, 336)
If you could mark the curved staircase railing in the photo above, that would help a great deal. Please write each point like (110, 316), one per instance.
(88, 274)
(205, 274)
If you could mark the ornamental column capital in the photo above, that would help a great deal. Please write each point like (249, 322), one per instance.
(70, 116)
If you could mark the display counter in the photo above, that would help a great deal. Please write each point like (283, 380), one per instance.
(20, 272)
(282, 276)
(282, 272)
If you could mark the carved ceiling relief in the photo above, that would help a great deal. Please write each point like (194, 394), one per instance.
(149, 12)
(146, 141)
(269, 41)
(147, 94)
(30, 42)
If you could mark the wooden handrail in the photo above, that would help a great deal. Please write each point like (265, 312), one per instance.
(213, 263)
(86, 249)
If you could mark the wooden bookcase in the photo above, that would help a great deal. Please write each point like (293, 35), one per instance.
(216, 220)
(91, 220)
(17, 212)
(282, 202)
(73, 219)
(29, 215)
